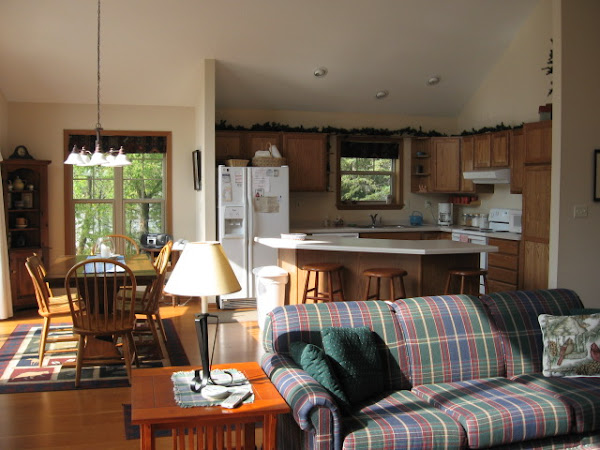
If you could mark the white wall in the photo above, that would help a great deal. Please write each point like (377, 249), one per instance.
(39, 126)
(575, 243)
(516, 86)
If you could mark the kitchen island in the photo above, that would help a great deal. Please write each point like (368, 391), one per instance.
(426, 261)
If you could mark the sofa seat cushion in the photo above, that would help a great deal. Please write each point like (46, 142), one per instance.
(582, 394)
(400, 420)
(497, 411)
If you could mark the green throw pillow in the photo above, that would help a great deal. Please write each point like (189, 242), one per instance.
(356, 361)
(315, 362)
(571, 345)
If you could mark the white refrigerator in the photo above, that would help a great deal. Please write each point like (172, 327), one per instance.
(252, 202)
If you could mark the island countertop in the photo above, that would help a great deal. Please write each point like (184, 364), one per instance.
(365, 245)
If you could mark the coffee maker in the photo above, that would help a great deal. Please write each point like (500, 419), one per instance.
(445, 214)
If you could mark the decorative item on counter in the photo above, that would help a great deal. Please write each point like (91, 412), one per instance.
(339, 222)
(18, 184)
(21, 222)
(326, 222)
(416, 218)
(422, 188)
(483, 222)
(30, 187)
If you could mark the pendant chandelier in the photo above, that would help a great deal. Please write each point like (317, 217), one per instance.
(83, 157)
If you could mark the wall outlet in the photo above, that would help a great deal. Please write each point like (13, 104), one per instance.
(580, 211)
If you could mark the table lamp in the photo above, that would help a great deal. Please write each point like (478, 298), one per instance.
(202, 270)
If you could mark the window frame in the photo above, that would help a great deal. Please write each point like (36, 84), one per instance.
(69, 202)
(397, 183)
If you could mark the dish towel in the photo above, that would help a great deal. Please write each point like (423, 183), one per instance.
(186, 398)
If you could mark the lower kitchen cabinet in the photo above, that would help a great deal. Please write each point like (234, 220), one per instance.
(503, 266)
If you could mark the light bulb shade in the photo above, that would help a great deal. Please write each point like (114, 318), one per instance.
(202, 269)
(74, 158)
(98, 158)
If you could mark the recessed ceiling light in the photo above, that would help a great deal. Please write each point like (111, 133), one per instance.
(320, 72)
(381, 94)
(432, 81)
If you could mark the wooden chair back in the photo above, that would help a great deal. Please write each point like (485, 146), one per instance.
(153, 293)
(121, 244)
(101, 295)
(37, 272)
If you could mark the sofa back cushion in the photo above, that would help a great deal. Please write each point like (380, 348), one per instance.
(449, 338)
(516, 316)
(286, 324)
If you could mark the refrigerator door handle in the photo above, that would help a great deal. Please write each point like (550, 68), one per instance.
(249, 232)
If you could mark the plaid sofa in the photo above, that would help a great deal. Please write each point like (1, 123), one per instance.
(459, 372)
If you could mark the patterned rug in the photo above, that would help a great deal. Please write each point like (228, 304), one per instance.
(19, 371)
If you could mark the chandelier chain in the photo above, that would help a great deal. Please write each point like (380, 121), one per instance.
(98, 126)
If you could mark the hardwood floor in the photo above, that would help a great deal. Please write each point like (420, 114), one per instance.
(93, 418)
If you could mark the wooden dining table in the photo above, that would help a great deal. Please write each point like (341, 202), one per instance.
(141, 266)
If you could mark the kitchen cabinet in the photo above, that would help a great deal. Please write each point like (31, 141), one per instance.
(466, 161)
(517, 160)
(536, 225)
(229, 145)
(491, 150)
(26, 218)
(261, 140)
(538, 142)
(307, 156)
(446, 164)
(503, 266)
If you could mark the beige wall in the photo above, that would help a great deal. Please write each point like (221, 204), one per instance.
(575, 243)
(3, 123)
(39, 126)
(516, 85)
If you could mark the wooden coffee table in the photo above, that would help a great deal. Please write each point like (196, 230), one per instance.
(153, 408)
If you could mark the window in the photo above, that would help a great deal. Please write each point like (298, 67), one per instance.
(130, 200)
(369, 174)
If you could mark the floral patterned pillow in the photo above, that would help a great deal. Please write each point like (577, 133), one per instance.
(571, 345)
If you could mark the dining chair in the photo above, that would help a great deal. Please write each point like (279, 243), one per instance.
(147, 302)
(94, 288)
(121, 244)
(49, 306)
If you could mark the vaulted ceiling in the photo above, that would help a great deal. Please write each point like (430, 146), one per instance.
(265, 50)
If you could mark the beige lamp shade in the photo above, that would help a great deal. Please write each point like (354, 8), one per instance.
(202, 269)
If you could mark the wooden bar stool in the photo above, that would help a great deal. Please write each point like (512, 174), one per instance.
(389, 274)
(466, 274)
(328, 270)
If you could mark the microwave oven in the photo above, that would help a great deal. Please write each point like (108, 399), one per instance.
(514, 221)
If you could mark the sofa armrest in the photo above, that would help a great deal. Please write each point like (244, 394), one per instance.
(313, 407)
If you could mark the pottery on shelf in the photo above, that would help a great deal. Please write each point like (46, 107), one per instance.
(18, 184)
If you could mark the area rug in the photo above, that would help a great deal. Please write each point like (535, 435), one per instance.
(19, 371)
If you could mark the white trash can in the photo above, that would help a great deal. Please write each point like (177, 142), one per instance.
(270, 290)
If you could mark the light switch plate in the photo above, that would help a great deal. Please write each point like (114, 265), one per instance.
(580, 211)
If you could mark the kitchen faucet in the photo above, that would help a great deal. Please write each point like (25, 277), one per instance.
(373, 220)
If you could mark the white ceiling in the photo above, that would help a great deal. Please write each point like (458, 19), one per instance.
(266, 51)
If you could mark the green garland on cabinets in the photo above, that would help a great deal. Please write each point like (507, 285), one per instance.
(407, 131)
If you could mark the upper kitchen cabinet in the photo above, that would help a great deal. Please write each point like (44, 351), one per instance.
(306, 155)
(446, 164)
(229, 145)
(538, 142)
(466, 160)
(517, 160)
(261, 140)
(491, 150)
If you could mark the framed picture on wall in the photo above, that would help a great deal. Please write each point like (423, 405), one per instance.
(197, 166)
